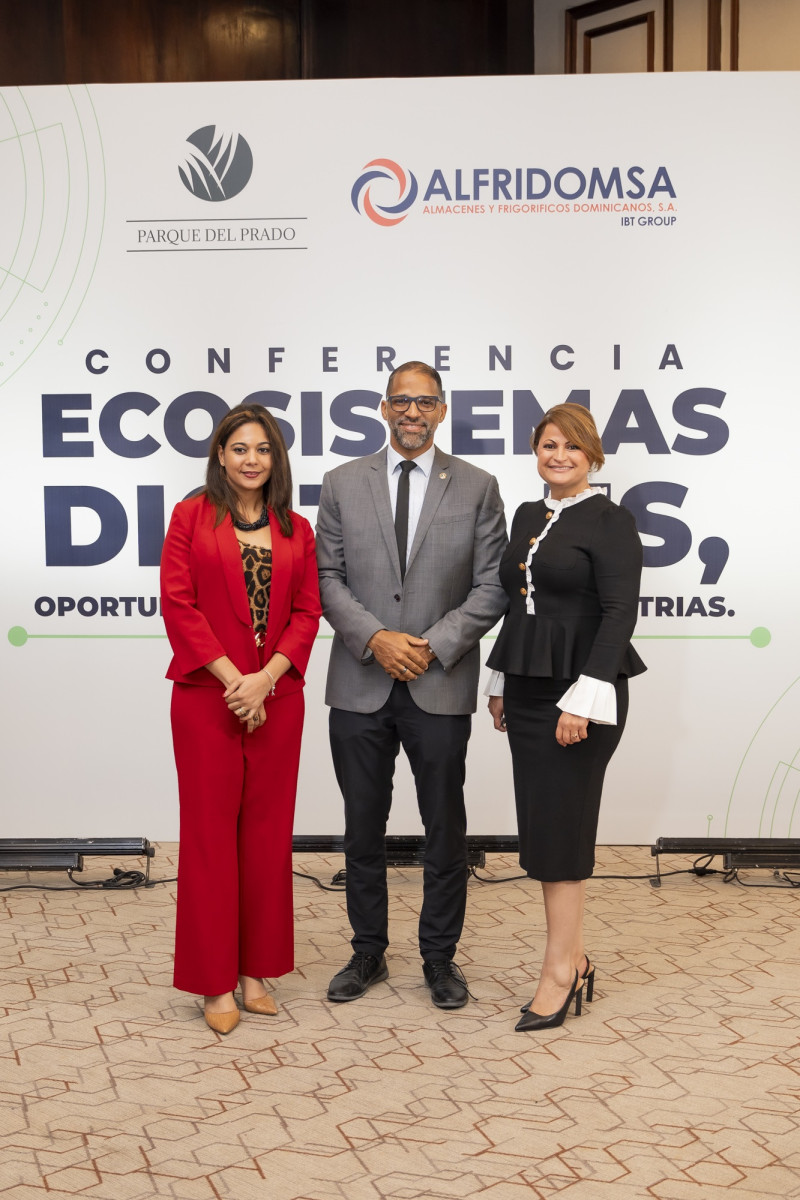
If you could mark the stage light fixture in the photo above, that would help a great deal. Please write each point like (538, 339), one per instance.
(67, 854)
(773, 854)
(409, 850)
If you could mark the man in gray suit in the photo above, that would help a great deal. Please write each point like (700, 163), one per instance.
(408, 543)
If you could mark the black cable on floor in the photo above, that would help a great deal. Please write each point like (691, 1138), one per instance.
(332, 887)
(699, 868)
(732, 876)
(511, 878)
(337, 883)
(120, 880)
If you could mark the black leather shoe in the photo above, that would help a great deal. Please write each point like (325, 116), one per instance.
(360, 973)
(447, 983)
(587, 974)
(531, 1020)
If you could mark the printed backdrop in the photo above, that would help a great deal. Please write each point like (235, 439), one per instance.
(628, 242)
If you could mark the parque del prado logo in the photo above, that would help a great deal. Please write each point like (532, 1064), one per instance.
(218, 163)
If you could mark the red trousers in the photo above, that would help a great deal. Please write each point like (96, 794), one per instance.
(237, 796)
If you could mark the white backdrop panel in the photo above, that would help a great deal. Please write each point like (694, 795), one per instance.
(629, 239)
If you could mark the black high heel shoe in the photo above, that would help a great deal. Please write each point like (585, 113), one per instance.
(588, 975)
(531, 1020)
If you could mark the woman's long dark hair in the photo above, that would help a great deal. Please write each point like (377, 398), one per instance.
(277, 492)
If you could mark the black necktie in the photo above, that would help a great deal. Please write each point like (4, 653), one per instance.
(401, 514)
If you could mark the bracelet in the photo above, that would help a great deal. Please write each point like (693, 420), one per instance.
(272, 680)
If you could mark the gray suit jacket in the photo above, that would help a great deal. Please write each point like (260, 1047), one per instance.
(451, 593)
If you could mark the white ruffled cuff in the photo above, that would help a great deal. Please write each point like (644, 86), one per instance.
(495, 685)
(591, 698)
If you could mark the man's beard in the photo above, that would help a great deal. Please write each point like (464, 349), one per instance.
(411, 441)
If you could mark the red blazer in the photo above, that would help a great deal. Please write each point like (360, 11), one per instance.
(204, 598)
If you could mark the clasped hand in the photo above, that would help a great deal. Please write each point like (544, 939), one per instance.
(245, 698)
(401, 655)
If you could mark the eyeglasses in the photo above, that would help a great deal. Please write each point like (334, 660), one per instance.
(401, 404)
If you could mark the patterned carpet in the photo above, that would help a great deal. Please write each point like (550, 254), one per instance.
(680, 1081)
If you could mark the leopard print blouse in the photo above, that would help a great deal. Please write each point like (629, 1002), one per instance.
(257, 563)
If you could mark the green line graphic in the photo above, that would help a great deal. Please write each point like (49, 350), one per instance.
(761, 725)
(794, 810)
(789, 767)
(88, 199)
(17, 136)
(18, 636)
(76, 257)
(759, 637)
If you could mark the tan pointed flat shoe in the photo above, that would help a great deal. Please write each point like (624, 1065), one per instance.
(222, 1022)
(264, 1005)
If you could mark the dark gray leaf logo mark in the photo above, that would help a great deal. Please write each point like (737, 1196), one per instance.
(218, 164)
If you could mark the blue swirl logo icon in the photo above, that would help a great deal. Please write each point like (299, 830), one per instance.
(218, 164)
(403, 190)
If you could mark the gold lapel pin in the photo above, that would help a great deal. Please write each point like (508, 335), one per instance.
(443, 475)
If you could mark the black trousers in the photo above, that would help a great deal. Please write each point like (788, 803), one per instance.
(364, 748)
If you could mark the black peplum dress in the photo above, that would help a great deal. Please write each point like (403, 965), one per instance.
(578, 566)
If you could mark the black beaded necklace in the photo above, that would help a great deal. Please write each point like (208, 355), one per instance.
(248, 527)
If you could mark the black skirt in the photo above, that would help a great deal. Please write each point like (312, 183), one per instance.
(557, 788)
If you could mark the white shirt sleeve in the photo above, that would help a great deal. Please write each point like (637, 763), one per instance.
(495, 685)
(590, 698)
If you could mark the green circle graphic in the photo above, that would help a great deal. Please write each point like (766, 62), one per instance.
(17, 635)
(760, 637)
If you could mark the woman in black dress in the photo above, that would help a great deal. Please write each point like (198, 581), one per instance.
(560, 685)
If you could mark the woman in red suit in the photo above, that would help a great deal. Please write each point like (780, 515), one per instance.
(241, 605)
